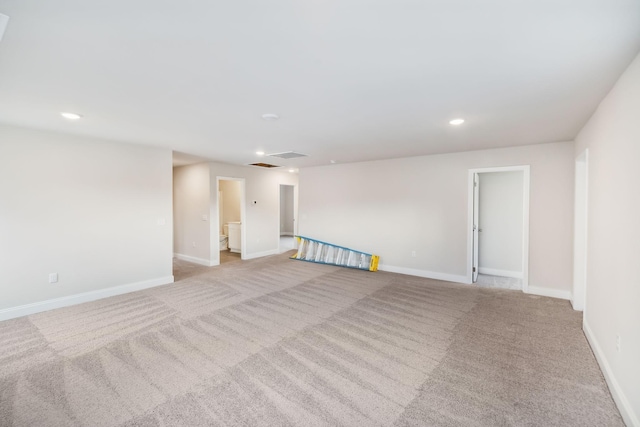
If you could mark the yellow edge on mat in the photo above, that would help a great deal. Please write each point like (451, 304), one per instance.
(295, 256)
(373, 266)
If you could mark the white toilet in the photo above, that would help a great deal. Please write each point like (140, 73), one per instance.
(224, 238)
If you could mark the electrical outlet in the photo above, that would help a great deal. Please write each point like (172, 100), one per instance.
(413, 254)
(53, 277)
(194, 244)
(618, 343)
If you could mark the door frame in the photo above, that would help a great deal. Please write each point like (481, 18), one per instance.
(243, 216)
(475, 260)
(580, 232)
(295, 211)
(526, 170)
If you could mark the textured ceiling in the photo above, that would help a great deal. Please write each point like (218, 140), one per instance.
(351, 80)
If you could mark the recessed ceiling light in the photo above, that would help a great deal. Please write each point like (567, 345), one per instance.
(270, 116)
(332, 161)
(260, 153)
(71, 116)
(292, 170)
(456, 122)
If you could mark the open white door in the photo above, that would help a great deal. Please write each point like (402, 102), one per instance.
(476, 222)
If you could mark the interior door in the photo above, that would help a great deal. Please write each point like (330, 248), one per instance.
(476, 222)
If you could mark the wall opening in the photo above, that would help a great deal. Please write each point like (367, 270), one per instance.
(230, 230)
(287, 228)
(498, 229)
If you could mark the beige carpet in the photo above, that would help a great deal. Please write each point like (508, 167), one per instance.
(277, 342)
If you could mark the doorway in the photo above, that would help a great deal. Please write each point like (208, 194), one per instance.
(580, 232)
(230, 228)
(287, 218)
(498, 237)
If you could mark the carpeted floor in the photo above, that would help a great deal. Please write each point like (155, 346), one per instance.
(277, 342)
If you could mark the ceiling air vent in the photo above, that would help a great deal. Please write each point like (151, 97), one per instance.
(264, 165)
(287, 155)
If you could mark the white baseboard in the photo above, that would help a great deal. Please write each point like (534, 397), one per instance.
(553, 293)
(577, 306)
(424, 273)
(546, 292)
(261, 254)
(286, 233)
(501, 273)
(630, 418)
(37, 307)
(195, 260)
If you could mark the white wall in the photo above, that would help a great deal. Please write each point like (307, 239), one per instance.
(612, 308)
(394, 207)
(286, 210)
(261, 225)
(192, 219)
(501, 205)
(97, 213)
(231, 201)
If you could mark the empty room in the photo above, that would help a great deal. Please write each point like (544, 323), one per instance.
(319, 213)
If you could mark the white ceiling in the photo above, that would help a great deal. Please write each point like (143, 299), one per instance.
(352, 80)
